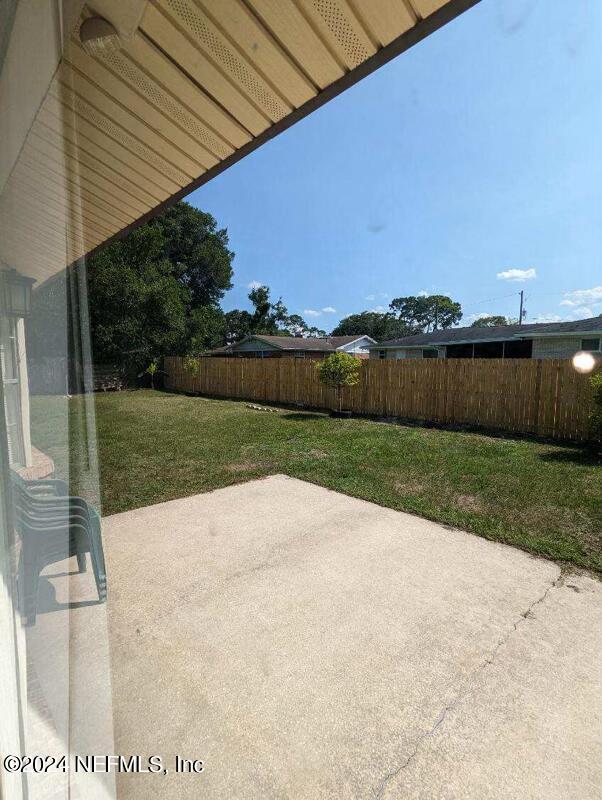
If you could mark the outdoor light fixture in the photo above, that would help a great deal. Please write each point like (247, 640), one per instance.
(584, 362)
(15, 293)
(98, 36)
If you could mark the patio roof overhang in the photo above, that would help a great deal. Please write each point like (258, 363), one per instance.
(194, 86)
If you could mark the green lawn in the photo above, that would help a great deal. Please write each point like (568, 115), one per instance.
(154, 446)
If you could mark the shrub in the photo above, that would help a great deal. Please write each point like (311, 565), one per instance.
(338, 370)
(191, 364)
(596, 412)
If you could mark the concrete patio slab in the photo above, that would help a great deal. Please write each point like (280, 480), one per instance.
(305, 644)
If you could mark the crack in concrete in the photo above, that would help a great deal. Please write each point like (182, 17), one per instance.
(558, 582)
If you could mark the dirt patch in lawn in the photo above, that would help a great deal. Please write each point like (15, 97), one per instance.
(245, 466)
(468, 502)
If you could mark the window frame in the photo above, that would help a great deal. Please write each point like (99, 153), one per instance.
(591, 339)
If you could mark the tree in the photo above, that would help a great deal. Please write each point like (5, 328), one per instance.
(372, 323)
(137, 307)
(238, 325)
(490, 322)
(198, 252)
(428, 313)
(207, 326)
(338, 370)
(156, 291)
(268, 318)
(316, 333)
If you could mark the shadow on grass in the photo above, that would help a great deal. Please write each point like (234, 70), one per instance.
(573, 455)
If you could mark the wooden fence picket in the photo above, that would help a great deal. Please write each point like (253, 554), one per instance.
(543, 397)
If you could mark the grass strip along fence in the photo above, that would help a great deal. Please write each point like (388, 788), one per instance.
(542, 397)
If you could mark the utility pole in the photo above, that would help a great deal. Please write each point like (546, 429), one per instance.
(522, 300)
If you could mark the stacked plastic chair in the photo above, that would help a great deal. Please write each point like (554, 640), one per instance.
(52, 527)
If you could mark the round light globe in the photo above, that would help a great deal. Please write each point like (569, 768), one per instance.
(584, 362)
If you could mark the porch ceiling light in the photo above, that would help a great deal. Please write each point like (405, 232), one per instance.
(15, 293)
(98, 36)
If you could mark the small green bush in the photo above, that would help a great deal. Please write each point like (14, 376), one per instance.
(596, 412)
(338, 370)
(191, 364)
(152, 371)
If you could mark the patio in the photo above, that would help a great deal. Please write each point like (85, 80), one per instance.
(306, 644)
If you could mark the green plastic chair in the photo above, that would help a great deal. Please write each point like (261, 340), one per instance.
(54, 526)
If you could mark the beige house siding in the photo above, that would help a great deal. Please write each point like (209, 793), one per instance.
(403, 352)
(556, 346)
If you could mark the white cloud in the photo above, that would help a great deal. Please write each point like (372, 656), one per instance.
(254, 285)
(517, 275)
(379, 309)
(544, 318)
(311, 312)
(580, 297)
(474, 317)
(370, 297)
(329, 310)
(423, 293)
(582, 312)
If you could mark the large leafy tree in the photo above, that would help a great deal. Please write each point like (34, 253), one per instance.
(157, 291)
(137, 307)
(422, 314)
(372, 323)
(198, 252)
(207, 326)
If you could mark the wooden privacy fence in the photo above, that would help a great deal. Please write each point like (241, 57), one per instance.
(543, 397)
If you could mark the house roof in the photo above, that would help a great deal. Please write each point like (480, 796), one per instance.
(496, 333)
(327, 344)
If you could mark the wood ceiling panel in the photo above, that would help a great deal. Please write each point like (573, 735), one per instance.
(340, 29)
(99, 144)
(33, 259)
(117, 133)
(288, 25)
(60, 210)
(77, 194)
(209, 39)
(245, 31)
(80, 156)
(424, 8)
(386, 19)
(189, 97)
(128, 85)
(193, 62)
(60, 160)
(47, 235)
(133, 126)
(59, 204)
(38, 208)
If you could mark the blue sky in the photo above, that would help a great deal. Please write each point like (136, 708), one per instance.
(475, 154)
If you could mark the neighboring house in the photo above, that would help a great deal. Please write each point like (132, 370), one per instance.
(259, 346)
(543, 340)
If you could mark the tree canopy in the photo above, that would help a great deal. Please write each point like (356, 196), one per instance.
(490, 321)
(372, 323)
(423, 314)
(156, 291)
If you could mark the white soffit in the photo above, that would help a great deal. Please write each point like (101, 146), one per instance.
(196, 84)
